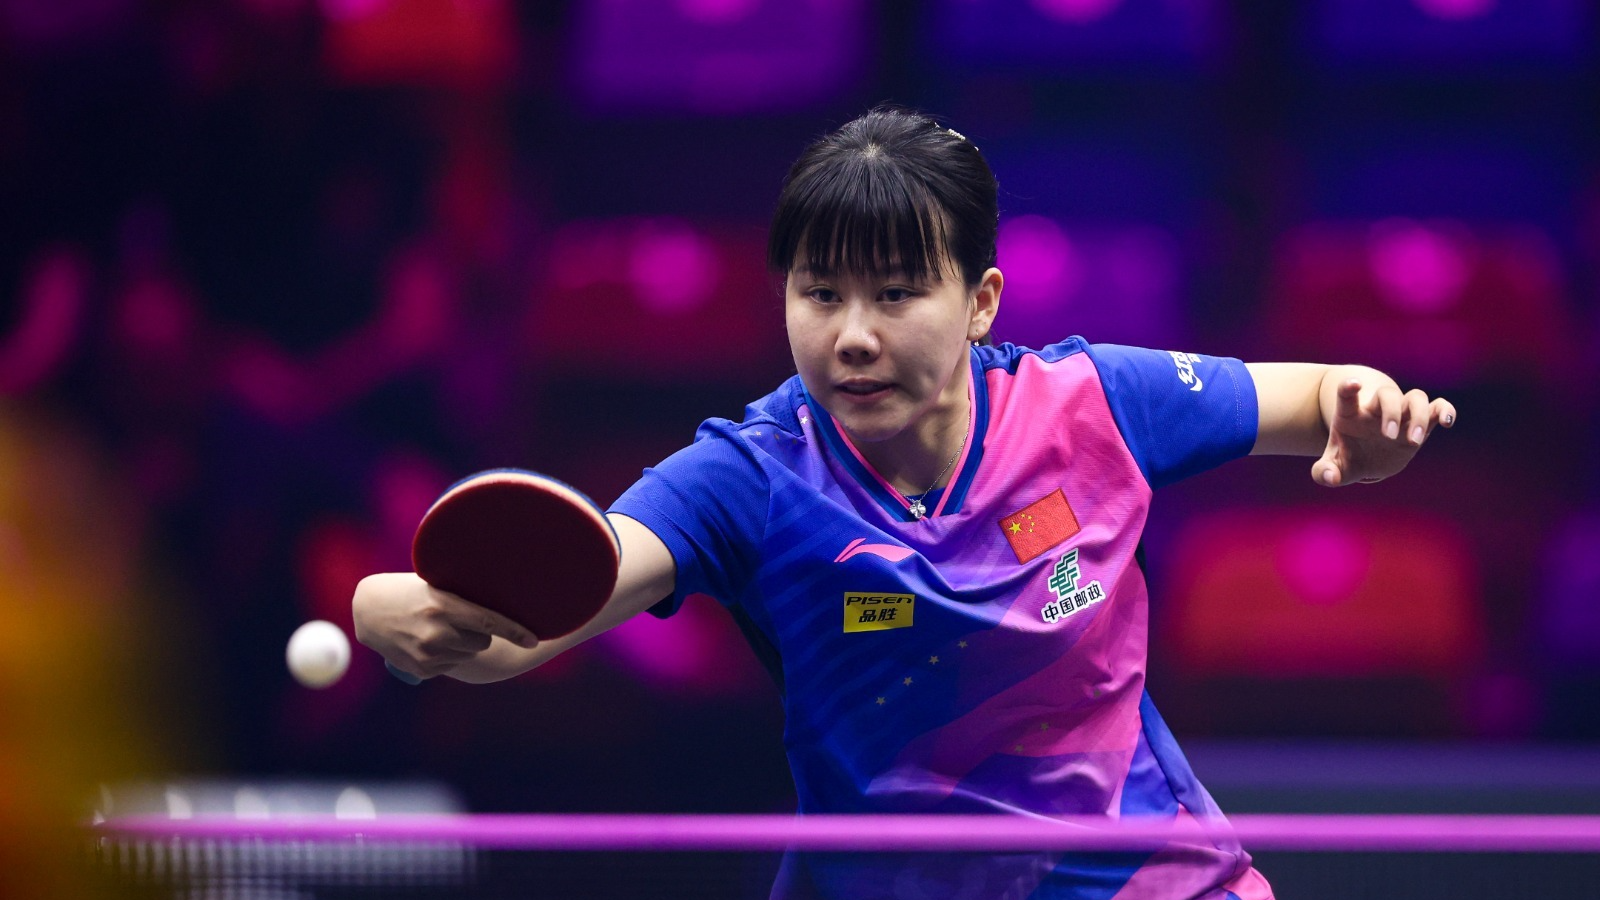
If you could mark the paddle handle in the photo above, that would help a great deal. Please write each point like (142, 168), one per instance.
(401, 674)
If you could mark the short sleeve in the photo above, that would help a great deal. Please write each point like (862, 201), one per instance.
(1180, 413)
(708, 504)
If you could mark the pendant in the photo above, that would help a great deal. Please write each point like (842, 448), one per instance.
(917, 510)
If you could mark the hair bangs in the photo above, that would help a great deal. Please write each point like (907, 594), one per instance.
(862, 218)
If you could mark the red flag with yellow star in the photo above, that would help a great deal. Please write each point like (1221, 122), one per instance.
(1040, 525)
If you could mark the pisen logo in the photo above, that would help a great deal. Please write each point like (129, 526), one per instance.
(1186, 372)
(1070, 597)
(877, 612)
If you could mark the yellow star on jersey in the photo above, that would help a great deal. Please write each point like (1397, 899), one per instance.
(1015, 528)
(961, 644)
(933, 660)
(880, 701)
(907, 682)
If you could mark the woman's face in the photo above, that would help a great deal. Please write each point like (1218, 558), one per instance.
(887, 356)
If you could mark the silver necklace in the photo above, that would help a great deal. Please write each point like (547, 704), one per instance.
(917, 510)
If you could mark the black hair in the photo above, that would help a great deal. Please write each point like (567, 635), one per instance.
(890, 190)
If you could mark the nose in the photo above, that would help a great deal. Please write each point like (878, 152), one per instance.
(857, 341)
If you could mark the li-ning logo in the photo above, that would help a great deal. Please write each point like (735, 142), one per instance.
(1186, 372)
(888, 551)
(1069, 597)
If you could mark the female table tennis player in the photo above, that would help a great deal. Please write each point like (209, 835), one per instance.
(930, 540)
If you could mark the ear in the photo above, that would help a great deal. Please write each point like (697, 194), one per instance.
(985, 305)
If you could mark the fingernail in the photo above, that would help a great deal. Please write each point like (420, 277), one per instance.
(1449, 419)
(1392, 430)
(1416, 435)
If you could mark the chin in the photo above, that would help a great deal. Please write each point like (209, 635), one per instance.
(865, 430)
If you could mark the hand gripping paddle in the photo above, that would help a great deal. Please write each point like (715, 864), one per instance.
(522, 544)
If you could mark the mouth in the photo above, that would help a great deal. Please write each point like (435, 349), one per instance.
(863, 390)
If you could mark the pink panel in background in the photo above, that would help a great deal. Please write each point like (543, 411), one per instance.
(1440, 299)
(1451, 10)
(54, 307)
(1420, 268)
(658, 296)
(1318, 593)
(432, 42)
(717, 56)
(698, 651)
(1076, 11)
(1118, 283)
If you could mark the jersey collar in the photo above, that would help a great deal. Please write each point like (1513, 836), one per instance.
(894, 503)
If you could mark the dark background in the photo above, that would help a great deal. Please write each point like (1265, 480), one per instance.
(275, 272)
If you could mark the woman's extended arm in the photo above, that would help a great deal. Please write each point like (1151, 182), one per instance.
(428, 632)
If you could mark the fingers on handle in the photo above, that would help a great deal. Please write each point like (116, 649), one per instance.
(418, 671)
(460, 643)
(469, 616)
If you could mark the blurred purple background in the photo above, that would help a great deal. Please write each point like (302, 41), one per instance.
(277, 271)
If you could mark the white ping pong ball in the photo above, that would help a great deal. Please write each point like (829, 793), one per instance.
(318, 654)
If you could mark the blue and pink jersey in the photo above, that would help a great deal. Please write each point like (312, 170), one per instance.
(990, 656)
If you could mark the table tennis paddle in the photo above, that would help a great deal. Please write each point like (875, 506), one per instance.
(522, 544)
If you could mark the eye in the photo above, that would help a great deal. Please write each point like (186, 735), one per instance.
(822, 295)
(897, 294)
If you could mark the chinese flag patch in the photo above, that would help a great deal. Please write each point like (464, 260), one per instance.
(1039, 526)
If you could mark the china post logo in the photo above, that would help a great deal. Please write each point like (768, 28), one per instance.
(1070, 598)
(868, 611)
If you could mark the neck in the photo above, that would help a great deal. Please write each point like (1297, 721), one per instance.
(923, 458)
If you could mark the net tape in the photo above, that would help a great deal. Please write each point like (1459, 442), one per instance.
(447, 834)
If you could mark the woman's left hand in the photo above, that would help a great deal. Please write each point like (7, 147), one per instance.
(1375, 431)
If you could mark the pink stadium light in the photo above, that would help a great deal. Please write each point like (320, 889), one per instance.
(1324, 561)
(1076, 11)
(717, 12)
(54, 307)
(1043, 268)
(156, 318)
(1251, 597)
(697, 652)
(662, 289)
(673, 268)
(1111, 281)
(1440, 298)
(339, 10)
(1455, 10)
(1418, 267)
